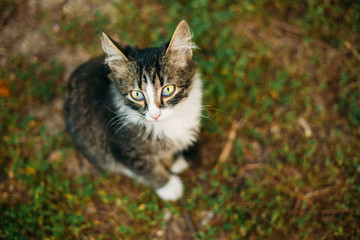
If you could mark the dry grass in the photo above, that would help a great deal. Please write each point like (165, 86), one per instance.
(279, 153)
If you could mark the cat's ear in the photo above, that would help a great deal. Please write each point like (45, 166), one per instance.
(115, 58)
(180, 47)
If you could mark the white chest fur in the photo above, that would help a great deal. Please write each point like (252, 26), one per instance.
(183, 126)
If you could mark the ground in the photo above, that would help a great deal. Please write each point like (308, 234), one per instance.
(280, 135)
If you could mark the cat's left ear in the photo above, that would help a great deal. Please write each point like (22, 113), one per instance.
(180, 47)
(115, 58)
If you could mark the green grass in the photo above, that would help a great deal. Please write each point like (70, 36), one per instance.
(291, 79)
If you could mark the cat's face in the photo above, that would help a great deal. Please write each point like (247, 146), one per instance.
(155, 91)
(153, 81)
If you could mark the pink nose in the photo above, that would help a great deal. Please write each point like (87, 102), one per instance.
(155, 116)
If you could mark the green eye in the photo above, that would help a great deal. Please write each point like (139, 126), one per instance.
(168, 90)
(137, 95)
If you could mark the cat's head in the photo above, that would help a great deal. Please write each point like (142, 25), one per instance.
(153, 81)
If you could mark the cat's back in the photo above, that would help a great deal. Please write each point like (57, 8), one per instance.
(87, 94)
(90, 78)
(85, 108)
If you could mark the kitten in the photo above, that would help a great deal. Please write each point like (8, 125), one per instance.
(136, 111)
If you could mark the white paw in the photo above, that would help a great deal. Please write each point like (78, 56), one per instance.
(179, 165)
(172, 191)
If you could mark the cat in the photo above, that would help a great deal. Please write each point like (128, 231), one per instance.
(135, 111)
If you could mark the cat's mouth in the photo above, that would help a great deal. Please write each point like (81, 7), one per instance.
(153, 120)
(159, 116)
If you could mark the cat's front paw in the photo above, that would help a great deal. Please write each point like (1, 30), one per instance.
(172, 191)
(179, 166)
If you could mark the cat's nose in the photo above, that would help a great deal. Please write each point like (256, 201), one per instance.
(155, 115)
(154, 112)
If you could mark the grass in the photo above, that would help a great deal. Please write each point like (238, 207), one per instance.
(282, 92)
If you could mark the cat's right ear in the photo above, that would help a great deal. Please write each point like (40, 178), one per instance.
(115, 58)
(180, 47)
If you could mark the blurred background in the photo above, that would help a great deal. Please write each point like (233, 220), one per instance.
(281, 125)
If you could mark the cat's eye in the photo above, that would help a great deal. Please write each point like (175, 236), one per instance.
(168, 90)
(137, 95)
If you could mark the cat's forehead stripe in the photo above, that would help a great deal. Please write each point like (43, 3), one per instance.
(154, 77)
(140, 79)
(146, 77)
(161, 78)
(150, 77)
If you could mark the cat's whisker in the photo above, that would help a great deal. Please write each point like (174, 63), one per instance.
(201, 116)
(114, 120)
(125, 126)
(215, 110)
(208, 118)
(108, 108)
(209, 107)
(203, 108)
(117, 122)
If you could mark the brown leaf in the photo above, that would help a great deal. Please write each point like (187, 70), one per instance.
(4, 89)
